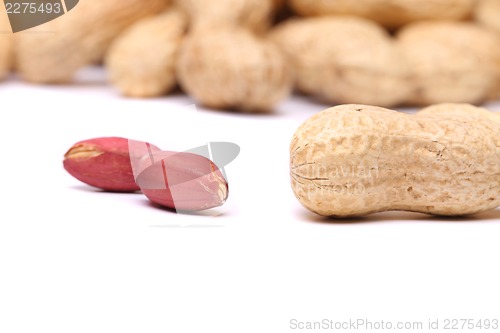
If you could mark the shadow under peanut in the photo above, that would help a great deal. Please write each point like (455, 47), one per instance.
(204, 213)
(90, 189)
(489, 216)
(146, 203)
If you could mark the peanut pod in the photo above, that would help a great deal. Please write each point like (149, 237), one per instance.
(353, 160)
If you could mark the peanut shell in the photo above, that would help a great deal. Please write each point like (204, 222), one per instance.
(53, 52)
(233, 69)
(141, 61)
(352, 60)
(460, 110)
(6, 44)
(251, 14)
(451, 62)
(487, 13)
(390, 13)
(353, 160)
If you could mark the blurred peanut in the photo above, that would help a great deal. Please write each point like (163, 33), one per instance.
(232, 68)
(53, 52)
(6, 44)
(461, 110)
(454, 62)
(345, 60)
(141, 61)
(255, 15)
(487, 13)
(390, 13)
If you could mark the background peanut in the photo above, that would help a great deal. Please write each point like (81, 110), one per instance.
(389, 12)
(355, 60)
(6, 44)
(255, 15)
(145, 67)
(487, 13)
(378, 52)
(222, 68)
(451, 62)
(460, 110)
(53, 52)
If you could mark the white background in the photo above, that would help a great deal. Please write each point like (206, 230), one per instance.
(73, 259)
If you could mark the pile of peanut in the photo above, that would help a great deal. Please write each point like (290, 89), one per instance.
(249, 55)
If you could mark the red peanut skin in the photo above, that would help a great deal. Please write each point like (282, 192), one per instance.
(107, 165)
(183, 181)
